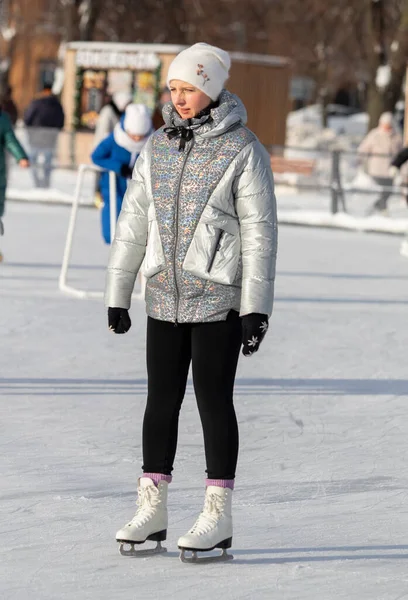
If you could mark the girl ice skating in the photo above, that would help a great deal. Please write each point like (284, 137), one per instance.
(200, 210)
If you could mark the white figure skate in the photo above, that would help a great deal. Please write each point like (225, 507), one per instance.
(213, 528)
(149, 522)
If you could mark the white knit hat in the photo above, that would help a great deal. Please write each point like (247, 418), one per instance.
(122, 99)
(386, 119)
(203, 66)
(138, 120)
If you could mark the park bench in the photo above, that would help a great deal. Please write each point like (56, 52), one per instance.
(303, 166)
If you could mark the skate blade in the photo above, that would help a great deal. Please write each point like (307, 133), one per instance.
(193, 559)
(159, 549)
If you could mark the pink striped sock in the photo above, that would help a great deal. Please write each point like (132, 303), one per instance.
(156, 477)
(224, 483)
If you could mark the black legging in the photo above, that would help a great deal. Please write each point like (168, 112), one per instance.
(213, 350)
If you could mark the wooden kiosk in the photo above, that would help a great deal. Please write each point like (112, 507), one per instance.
(93, 70)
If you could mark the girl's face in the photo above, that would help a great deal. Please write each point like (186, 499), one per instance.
(187, 99)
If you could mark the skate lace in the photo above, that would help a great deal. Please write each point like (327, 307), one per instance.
(147, 501)
(208, 519)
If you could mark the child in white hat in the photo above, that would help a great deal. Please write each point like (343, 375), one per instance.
(200, 213)
(118, 152)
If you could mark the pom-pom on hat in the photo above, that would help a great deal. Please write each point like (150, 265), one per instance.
(138, 120)
(203, 66)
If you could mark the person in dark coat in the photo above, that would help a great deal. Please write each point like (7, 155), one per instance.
(8, 143)
(118, 153)
(44, 119)
(399, 160)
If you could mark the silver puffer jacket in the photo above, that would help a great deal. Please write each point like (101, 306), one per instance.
(202, 220)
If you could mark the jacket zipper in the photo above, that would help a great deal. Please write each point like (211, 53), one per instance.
(217, 247)
(187, 153)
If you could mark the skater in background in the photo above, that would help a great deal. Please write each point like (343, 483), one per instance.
(8, 142)
(44, 119)
(118, 152)
(8, 106)
(110, 115)
(200, 212)
(377, 150)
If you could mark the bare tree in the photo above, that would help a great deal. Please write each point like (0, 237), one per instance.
(88, 13)
(386, 35)
(329, 40)
(9, 24)
(364, 40)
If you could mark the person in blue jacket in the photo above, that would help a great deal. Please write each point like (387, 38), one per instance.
(118, 152)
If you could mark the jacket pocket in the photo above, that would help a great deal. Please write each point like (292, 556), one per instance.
(215, 249)
(217, 241)
(154, 260)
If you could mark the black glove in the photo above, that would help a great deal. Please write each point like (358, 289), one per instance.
(119, 320)
(126, 171)
(254, 327)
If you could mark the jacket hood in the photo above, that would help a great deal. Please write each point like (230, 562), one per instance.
(229, 111)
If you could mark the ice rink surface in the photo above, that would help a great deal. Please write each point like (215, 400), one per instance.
(321, 501)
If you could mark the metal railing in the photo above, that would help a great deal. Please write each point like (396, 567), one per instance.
(329, 170)
(63, 285)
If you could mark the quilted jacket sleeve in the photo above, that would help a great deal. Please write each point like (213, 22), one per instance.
(256, 208)
(102, 155)
(129, 245)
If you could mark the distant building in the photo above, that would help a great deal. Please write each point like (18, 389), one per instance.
(93, 70)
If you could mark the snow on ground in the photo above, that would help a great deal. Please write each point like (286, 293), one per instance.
(354, 125)
(301, 207)
(62, 189)
(320, 508)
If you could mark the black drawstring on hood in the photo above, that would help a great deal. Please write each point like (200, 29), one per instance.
(185, 134)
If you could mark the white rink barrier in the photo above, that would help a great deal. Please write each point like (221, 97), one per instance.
(63, 285)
